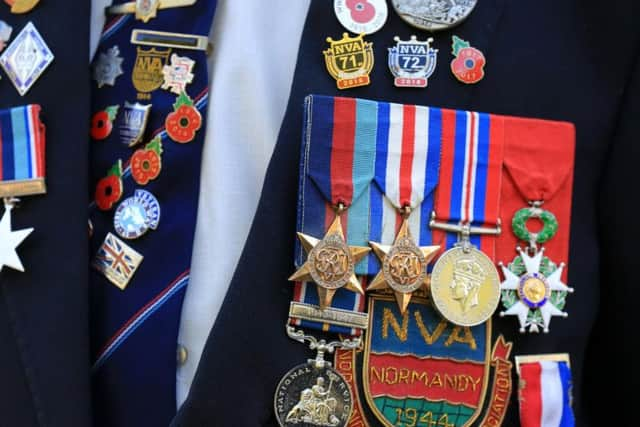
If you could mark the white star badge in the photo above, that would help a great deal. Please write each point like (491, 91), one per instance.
(9, 241)
(534, 306)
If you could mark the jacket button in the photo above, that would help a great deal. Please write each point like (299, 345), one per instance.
(181, 355)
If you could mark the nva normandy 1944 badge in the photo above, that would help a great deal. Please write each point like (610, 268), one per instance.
(417, 369)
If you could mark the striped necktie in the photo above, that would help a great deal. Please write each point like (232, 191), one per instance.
(149, 101)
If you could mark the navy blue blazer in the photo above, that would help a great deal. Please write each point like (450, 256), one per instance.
(563, 60)
(572, 60)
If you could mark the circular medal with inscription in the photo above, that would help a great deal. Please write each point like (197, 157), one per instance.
(361, 16)
(434, 15)
(331, 262)
(465, 286)
(310, 396)
(405, 266)
(136, 215)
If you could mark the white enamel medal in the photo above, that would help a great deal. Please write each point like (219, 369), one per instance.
(533, 289)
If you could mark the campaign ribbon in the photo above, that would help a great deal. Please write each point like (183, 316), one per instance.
(348, 143)
(538, 156)
(502, 384)
(338, 157)
(22, 152)
(538, 166)
(545, 393)
(407, 167)
(341, 147)
(470, 175)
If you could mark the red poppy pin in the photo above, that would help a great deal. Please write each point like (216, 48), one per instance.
(146, 162)
(102, 122)
(181, 125)
(468, 64)
(109, 188)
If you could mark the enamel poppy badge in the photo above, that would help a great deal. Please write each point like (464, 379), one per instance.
(468, 64)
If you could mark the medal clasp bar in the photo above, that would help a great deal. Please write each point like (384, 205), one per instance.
(321, 346)
(464, 230)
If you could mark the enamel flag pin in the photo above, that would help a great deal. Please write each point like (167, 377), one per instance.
(349, 61)
(468, 64)
(117, 261)
(26, 58)
(178, 75)
(108, 67)
(412, 61)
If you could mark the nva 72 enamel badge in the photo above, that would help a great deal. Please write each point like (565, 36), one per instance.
(412, 62)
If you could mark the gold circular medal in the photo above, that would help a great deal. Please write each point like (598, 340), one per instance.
(331, 262)
(534, 290)
(465, 286)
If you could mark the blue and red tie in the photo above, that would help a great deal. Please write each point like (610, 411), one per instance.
(134, 330)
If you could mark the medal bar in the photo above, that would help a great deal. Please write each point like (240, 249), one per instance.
(172, 40)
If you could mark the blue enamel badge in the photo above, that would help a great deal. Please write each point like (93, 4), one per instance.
(412, 62)
(136, 215)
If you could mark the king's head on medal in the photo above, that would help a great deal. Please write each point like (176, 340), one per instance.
(22, 147)
(465, 285)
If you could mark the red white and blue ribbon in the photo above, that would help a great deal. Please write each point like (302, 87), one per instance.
(407, 164)
(397, 146)
(21, 143)
(470, 174)
(348, 144)
(338, 158)
(545, 394)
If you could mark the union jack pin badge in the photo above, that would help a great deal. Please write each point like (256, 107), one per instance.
(117, 261)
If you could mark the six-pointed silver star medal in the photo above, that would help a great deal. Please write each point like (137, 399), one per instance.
(9, 241)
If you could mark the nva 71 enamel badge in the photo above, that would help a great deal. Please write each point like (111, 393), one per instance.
(349, 61)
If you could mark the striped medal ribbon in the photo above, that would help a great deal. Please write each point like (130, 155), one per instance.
(22, 172)
(407, 165)
(545, 390)
(339, 153)
(465, 286)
